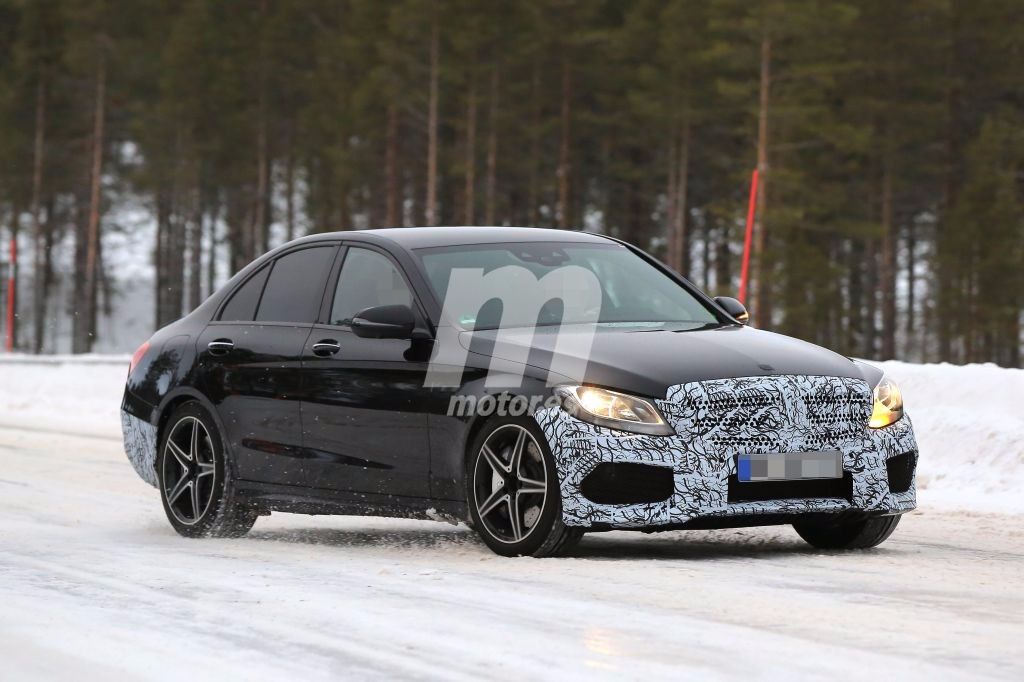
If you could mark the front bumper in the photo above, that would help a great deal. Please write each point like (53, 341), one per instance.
(718, 420)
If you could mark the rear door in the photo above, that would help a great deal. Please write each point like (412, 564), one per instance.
(364, 407)
(251, 361)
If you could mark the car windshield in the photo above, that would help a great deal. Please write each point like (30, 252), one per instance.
(633, 292)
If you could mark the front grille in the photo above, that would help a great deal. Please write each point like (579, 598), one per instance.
(771, 413)
(768, 491)
(627, 483)
(901, 471)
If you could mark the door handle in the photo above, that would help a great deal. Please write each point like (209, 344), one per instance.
(220, 346)
(326, 347)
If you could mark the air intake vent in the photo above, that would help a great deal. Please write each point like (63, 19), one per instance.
(901, 471)
(768, 491)
(628, 483)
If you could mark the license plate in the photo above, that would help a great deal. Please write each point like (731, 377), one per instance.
(789, 466)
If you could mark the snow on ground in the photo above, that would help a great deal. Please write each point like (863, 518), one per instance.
(73, 393)
(94, 584)
(969, 420)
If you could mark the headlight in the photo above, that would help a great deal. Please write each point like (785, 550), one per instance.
(888, 407)
(614, 410)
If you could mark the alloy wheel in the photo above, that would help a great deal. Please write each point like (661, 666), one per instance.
(510, 483)
(189, 470)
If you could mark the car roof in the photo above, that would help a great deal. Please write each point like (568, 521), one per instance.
(427, 237)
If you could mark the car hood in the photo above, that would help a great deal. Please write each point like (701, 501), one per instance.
(648, 361)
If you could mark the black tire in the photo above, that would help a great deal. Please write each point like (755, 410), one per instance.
(861, 534)
(546, 535)
(222, 513)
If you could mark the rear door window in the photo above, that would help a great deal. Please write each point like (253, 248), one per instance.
(296, 286)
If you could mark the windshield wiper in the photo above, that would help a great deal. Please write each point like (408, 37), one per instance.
(706, 325)
(703, 326)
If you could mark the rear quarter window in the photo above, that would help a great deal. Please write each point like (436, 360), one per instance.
(241, 307)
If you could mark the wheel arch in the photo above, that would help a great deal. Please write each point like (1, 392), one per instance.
(178, 397)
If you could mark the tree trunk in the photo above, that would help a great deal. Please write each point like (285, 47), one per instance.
(835, 304)
(237, 230)
(968, 327)
(762, 302)
(910, 345)
(871, 301)
(106, 285)
(706, 254)
(430, 207)
(414, 177)
(170, 260)
(563, 149)
(855, 287)
(492, 149)
(259, 213)
(160, 260)
(211, 253)
(681, 258)
(87, 340)
(289, 186)
(16, 211)
(194, 295)
(176, 294)
(533, 198)
(48, 275)
(945, 290)
(174, 241)
(671, 198)
(392, 182)
(470, 196)
(1013, 337)
(79, 295)
(634, 195)
(38, 238)
(887, 274)
(259, 224)
(723, 262)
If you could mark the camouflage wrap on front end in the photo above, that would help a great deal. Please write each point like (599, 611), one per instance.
(140, 446)
(714, 421)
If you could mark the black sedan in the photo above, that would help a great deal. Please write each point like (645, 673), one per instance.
(535, 384)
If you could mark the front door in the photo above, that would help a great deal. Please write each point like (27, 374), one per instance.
(364, 424)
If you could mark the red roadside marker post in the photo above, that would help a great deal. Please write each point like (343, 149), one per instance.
(745, 269)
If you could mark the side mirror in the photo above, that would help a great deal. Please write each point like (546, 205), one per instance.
(384, 322)
(734, 308)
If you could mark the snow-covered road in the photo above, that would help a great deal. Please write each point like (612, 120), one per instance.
(95, 584)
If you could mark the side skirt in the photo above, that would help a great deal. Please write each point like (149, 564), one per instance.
(321, 501)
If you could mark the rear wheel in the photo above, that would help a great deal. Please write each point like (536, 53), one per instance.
(860, 534)
(513, 493)
(195, 481)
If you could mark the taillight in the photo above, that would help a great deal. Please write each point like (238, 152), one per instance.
(137, 357)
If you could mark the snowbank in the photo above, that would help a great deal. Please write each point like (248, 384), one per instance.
(74, 393)
(969, 420)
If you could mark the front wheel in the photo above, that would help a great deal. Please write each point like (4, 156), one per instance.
(861, 534)
(195, 480)
(513, 493)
